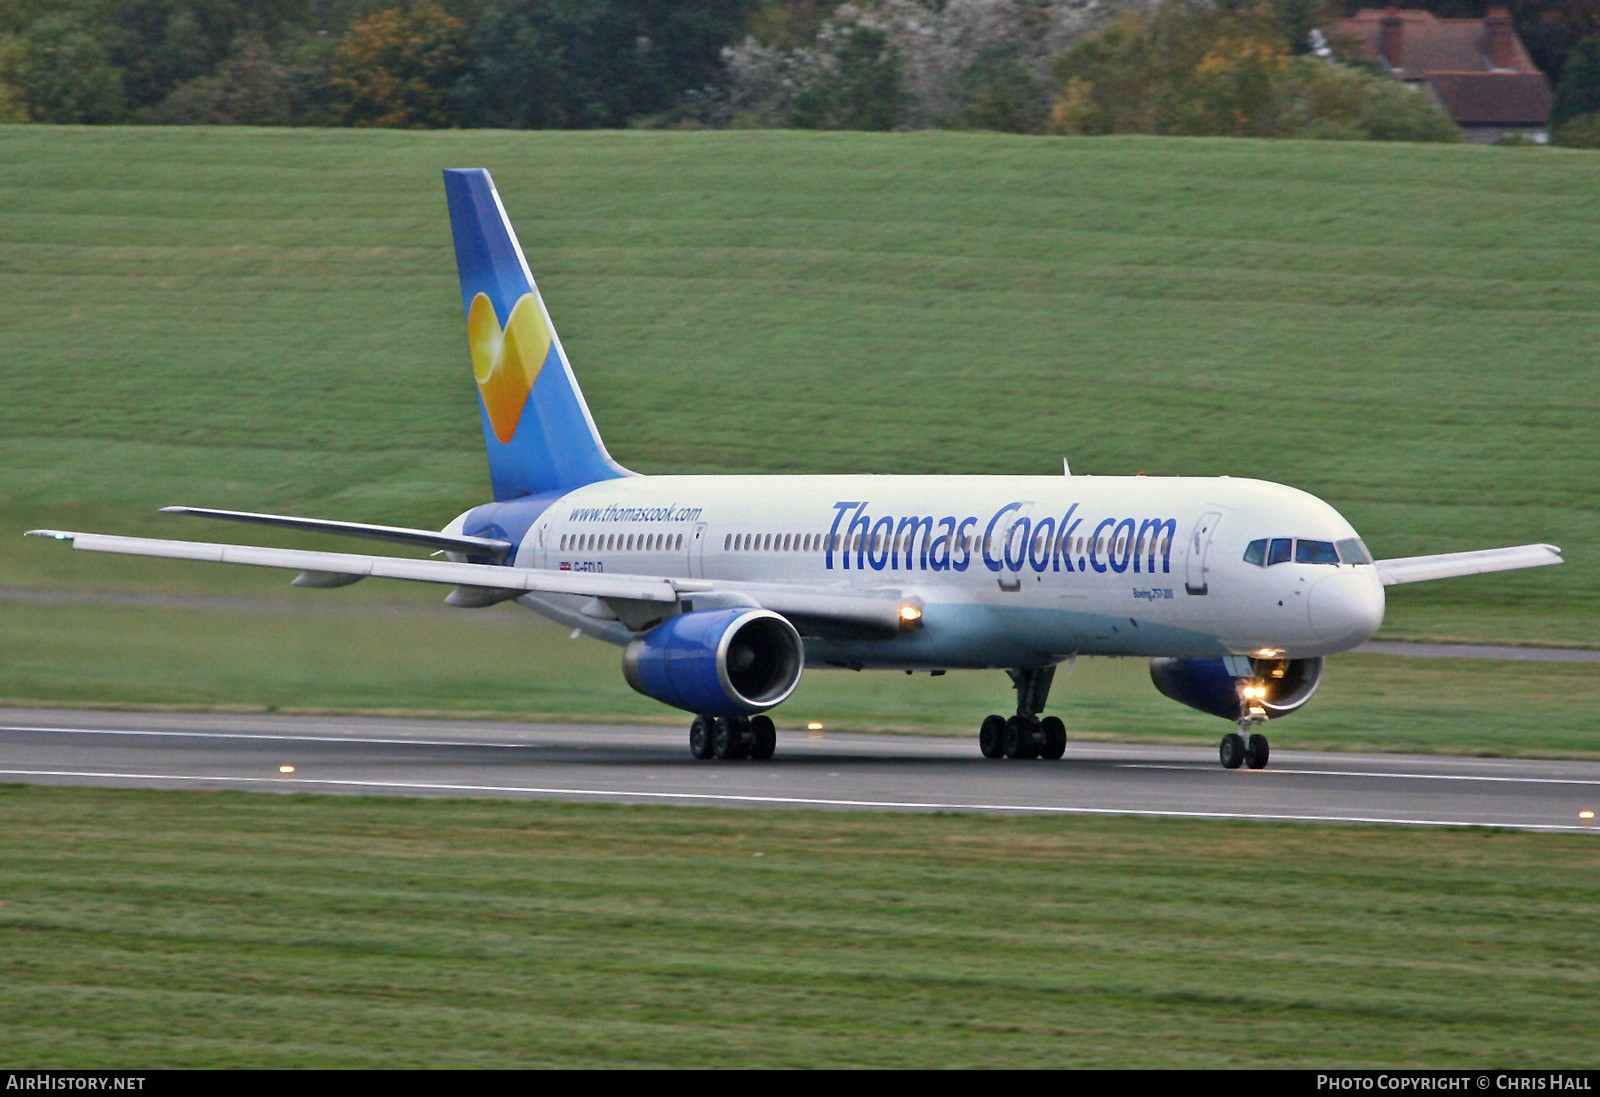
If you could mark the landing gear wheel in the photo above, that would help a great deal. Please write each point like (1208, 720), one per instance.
(1021, 739)
(1054, 733)
(732, 739)
(991, 737)
(1256, 752)
(763, 738)
(702, 734)
(1231, 752)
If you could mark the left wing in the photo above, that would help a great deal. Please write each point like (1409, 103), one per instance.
(489, 550)
(1449, 565)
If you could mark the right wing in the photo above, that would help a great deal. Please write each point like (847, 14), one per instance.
(1449, 565)
(639, 601)
(487, 576)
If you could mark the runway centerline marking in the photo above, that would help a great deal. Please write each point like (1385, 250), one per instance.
(792, 801)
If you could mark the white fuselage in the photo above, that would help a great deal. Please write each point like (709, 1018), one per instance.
(1009, 571)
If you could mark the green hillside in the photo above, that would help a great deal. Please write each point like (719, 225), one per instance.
(269, 319)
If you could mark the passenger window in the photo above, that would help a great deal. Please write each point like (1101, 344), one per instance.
(1280, 551)
(1256, 553)
(1315, 552)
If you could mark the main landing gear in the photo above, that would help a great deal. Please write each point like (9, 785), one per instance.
(1025, 735)
(732, 737)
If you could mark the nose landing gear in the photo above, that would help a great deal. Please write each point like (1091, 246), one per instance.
(1247, 746)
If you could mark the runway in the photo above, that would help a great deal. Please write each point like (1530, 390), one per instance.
(403, 757)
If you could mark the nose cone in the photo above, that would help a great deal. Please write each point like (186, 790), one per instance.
(1346, 607)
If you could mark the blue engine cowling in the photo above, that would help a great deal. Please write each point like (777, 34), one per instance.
(1207, 685)
(717, 662)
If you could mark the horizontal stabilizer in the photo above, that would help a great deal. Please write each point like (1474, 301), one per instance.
(1450, 565)
(487, 549)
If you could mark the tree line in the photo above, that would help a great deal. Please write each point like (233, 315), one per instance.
(1225, 67)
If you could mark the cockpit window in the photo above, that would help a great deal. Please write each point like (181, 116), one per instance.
(1352, 551)
(1280, 550)
(1315, 552)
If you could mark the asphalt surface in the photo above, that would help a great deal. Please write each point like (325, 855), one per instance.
(885, 773)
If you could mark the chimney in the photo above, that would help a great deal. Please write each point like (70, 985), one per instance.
(1497, 37)
(1389, 39)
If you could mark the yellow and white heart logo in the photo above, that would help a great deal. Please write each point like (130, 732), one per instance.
(507, 363)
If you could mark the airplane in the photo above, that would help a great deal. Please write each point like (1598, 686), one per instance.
(721, 590)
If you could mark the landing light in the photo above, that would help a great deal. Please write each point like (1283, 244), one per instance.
(910, 613)
(285, 769)
(814, 726)
(1586, 815)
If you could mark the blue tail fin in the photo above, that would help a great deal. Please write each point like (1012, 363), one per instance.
(540, 435)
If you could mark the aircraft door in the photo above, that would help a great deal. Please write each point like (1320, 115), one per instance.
(697, 552)
(541, 552)
(1199, 548)
(1012, 546)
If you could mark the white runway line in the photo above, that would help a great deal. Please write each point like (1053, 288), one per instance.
(792, 801)
(1278, 772)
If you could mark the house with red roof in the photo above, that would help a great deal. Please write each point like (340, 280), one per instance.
(1477, 69)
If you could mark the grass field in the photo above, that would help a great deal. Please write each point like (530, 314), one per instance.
(220, 930)
(270, 320)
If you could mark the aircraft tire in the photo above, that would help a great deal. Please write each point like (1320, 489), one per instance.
(702, 737)
(763, 738)
(991, 737)
(1019, 740)
(1055, 738)
(1011, 739)
(732, 739)
(1256, 752)
(1231, 752)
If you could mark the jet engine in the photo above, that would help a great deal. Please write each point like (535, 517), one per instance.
(1208, 685)
(717, 662)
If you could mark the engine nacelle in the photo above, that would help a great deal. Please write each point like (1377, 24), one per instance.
(717, 662)
(1207, 685)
